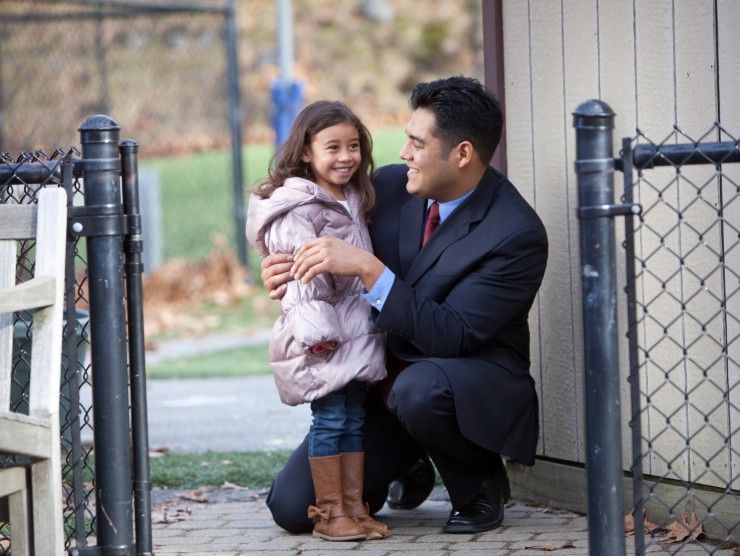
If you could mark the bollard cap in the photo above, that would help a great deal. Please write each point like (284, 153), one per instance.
(98, 122)
(593, 107)
(99, 129)
(129, 145)
(593, 113)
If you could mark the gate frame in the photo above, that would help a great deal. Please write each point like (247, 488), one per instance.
(594, 166)
(111, 224)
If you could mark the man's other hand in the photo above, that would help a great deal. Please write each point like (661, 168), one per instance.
(276, 274)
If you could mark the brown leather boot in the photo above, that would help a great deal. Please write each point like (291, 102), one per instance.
(353, 472)
(331, 521)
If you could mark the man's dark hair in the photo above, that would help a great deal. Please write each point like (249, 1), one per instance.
(464, 110)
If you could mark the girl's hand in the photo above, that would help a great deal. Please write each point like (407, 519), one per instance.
(324, 346)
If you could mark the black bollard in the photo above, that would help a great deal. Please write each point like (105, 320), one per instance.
(594, 165)
(102, 223)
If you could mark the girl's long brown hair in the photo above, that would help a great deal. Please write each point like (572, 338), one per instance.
(315, 117)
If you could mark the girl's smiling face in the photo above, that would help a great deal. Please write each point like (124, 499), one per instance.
(334, 156)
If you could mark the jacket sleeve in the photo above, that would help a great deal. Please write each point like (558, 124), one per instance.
(308, 308)
(447, 315)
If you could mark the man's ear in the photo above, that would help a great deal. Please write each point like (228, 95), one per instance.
(464, 153)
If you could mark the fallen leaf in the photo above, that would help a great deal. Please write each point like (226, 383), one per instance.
(171, 516)
(548, 547)
(199, 495)
(158, 452)
(629, 525)
(227, 484)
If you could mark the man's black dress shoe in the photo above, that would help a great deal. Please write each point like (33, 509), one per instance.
(478, 516)
(411, 489)
(486, 511)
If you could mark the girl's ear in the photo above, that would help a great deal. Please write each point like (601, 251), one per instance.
(305, 157)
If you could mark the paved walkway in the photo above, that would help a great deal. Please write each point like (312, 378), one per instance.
(244, 527)
(236, 522)
(241, 528)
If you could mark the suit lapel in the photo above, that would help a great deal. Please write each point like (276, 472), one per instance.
(457, 225)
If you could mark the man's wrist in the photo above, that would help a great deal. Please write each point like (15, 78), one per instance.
(371, 270)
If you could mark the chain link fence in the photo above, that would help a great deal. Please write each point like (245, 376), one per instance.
(683, 298)
(75, 397)
(167, 70)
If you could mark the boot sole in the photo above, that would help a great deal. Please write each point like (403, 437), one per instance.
(377, 535)
(348, 538)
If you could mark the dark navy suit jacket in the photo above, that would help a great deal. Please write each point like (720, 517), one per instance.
(463, 301)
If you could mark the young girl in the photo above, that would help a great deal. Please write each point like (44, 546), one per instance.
(324, 348)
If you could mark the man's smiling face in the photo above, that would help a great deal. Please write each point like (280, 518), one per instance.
(431, 172)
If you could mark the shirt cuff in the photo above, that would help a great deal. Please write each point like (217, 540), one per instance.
(380, 290)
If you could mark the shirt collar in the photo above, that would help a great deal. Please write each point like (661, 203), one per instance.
(445, 209)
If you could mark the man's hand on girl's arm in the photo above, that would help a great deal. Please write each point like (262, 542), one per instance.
(332, 255)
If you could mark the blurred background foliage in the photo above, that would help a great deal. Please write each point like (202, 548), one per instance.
(161, 74)
(159, 68)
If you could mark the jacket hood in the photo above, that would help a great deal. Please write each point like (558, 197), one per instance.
(294, 193)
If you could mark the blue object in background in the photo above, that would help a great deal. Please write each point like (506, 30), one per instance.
(287, 101)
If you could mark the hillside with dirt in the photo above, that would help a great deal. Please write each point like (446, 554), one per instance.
(162, 74)
(368, 53)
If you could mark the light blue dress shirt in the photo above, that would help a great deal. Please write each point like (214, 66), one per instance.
(379, 292)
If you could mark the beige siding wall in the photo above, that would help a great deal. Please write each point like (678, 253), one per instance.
(657, 63)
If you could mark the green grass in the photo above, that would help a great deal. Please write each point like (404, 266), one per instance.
(246, 361)
(247, 469)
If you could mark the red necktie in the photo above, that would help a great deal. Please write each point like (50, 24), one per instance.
(432, 222)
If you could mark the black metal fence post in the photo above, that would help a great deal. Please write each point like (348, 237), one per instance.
(101, 222)
(235, 125)
(135, 310)
(594, 165)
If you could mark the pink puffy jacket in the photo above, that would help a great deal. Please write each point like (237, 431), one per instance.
(329, 308)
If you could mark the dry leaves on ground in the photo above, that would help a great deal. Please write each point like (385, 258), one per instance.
(682, 529)
(179, 285)
(674, 532)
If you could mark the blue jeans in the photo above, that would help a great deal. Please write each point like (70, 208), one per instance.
(338, 419)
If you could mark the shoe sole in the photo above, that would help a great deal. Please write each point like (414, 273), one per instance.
(482, 528)
(416, 502)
